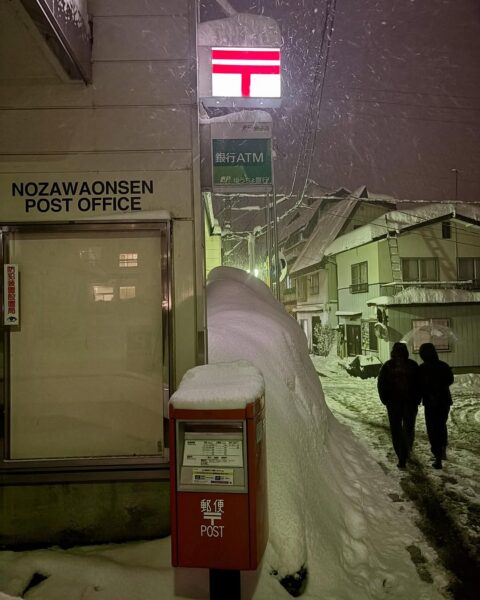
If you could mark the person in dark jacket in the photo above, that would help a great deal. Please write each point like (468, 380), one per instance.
(436, 377)
(399, 390)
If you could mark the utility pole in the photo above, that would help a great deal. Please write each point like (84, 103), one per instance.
(456, 183)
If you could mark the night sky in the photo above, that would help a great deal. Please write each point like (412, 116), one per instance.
(400, 95)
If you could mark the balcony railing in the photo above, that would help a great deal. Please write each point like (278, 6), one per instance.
(390, 289)
(289, 295)
(357, 288)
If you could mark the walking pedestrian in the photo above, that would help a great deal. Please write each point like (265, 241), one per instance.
(399, 390)
(436, 377)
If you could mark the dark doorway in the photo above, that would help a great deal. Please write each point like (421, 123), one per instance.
(354, 340)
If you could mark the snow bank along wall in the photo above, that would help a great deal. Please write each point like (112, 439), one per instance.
(110, 293)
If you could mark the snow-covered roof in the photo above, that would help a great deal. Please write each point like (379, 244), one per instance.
(240, 30)
(298, 219)
(418, 295)
(329, 224)
(239, 116)
(219, 386)
(399, 220)
(380, 301)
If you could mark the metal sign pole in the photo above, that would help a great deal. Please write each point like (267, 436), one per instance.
(268, 241)
(275, 242)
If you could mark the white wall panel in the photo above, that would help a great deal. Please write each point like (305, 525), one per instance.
(102, 129)
(137, 7)
(140, 38)
(145, 83)
(167, 160)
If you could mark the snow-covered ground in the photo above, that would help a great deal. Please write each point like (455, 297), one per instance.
(339, 526)
(455, 490)
(355, 402)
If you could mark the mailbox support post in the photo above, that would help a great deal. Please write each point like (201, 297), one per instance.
(224, 584)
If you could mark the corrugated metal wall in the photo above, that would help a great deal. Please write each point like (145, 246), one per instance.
(464, 322)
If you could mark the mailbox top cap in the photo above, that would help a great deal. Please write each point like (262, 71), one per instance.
(219, 386)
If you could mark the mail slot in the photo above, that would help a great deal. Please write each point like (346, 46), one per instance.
(218, 468)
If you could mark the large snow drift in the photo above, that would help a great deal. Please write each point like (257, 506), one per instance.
(329, 509)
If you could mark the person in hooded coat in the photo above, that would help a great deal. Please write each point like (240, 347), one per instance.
(436, 377)
(399, 390)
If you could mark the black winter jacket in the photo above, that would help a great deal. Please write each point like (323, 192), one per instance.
(435, 378)
(398, 383)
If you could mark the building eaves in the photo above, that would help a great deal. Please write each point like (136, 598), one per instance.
(402, 221)
(329, 224)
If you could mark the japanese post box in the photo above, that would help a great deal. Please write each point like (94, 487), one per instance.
(218, 468)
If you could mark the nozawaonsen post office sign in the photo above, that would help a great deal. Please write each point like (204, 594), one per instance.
(242, 156)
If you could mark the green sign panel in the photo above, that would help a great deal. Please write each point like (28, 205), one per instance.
(242, 162)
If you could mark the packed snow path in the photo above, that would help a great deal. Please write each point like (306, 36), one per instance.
(448, 501)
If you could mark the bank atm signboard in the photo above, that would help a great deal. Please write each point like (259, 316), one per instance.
(240, 162)
(246, 72)
(242, 156)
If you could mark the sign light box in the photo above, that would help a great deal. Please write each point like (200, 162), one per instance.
(246, 72)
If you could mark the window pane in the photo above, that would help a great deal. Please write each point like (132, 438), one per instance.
(86, 363)
(410, 269)
(302, 289)
(359, 277)
(355, 274)
(364, 272)
(477, 268)
(428, 269)
(465, 269)
(434, 331)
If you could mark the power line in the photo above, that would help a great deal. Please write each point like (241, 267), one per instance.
(406, 118)
(409, 104)
(307, 145)
(410, 93)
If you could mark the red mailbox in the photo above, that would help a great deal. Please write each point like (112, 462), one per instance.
(218, 468)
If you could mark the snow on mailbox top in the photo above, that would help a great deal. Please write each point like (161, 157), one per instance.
(219, 386)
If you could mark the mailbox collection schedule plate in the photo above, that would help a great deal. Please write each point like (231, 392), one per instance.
(211, 456)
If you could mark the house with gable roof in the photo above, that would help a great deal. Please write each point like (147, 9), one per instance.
(309, 292)
(411, 275)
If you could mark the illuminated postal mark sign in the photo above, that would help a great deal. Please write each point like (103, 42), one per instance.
(246, 72)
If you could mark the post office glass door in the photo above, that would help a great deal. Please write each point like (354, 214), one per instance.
(86, 367)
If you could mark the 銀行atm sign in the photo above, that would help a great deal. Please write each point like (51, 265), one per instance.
(246, 72)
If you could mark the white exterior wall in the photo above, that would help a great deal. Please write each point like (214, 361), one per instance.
(137, 120)
(428, 242)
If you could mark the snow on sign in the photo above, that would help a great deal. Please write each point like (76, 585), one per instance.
(11, 300)
(246, 72)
